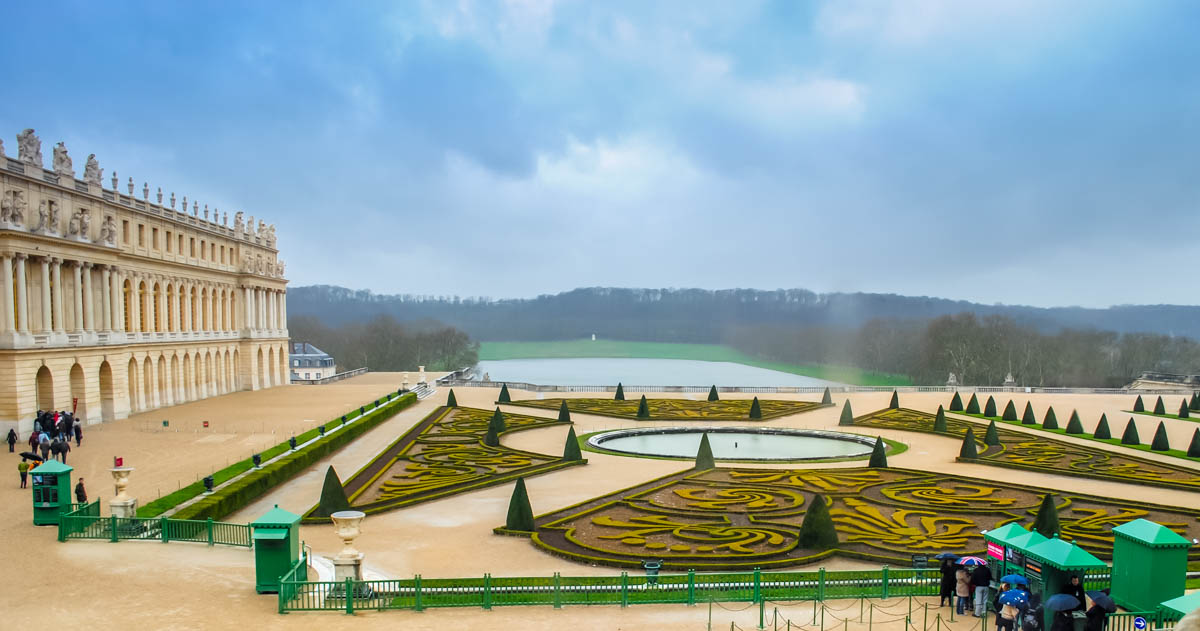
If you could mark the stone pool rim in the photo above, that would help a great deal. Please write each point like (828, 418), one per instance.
(590, 443)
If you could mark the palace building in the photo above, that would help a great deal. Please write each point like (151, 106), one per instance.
(115, 303)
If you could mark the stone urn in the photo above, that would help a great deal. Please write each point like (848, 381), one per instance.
(121, 482)
(348, 526)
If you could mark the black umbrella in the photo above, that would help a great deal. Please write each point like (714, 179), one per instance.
(1103, 600)
(1062, 602)
(946, 555)
(29, 455)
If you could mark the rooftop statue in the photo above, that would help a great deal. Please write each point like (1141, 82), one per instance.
(62, 161)
(92, 171)
(29, 148)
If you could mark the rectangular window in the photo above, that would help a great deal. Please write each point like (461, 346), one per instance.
(180, 249)
(201, 248)
(141, 235)
(169, 237)
(222, 255)
(212, 252)
(192, 247)
(154, 238)
(125, 231)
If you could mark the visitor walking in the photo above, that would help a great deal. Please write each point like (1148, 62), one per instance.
(947, 587)
(12, 439)
(61, 448)
(981, 581)
(962, 588)
(23, 469)
(44, 445)
(33, 442)
(78, 434)
(80, 493)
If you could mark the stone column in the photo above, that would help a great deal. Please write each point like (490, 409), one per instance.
(283, 309)
(261, 300)
(22, 295)
(106, 323)
(135, 302)
(89, 315)
(151, 305)
(57, 295)
(6, 286)
(47, 307)
(174, 306)
(122, 317)
(77, 295)
(187, 306)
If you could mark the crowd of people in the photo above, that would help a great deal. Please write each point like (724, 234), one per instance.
(51, 438)
(968, 587)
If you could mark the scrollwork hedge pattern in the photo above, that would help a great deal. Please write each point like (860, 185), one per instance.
(678, 409)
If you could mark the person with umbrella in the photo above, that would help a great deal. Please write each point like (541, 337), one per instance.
(947, 585)
(1011, 603)
(1097, 614)
(12, 439)
(1063, 605)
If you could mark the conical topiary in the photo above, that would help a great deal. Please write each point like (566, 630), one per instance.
(1051, 420)
(991, 436)
(1130, 437)
(1102, 432)
(1010, 412)
(817, 531)
(755, 409)
(1160, 442)
(1138, 406)
(989, 408)
(1046, 522)
(712, 394)
(827, 397)
(520, 513)
(504, 398)
(492, 437)
(451, 400)
(973, 405)
(1159, 408)
(564, 412)
(968, 449)
(847, 418)
(571, 451)
(939, 421)
(1194, 448)
(1183, 409)
(956, 403)
(1028, 418)
(643, 408)
(704, 454)
(1195, 404)
(894, 404)
(620, 395)
(333, 496)
(1074, 426)
(878, 455)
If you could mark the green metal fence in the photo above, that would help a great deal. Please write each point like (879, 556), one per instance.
(296, 593)
(86, 523)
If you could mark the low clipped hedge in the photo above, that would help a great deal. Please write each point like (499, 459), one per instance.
(230, 498)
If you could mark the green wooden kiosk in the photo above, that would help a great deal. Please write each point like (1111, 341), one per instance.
(51, 492)
(276, 538)
(1004, 557)
(1049, 566)
(1149, 564)
(1179, 607)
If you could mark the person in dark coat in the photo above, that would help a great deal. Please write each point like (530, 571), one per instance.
(44, 445)
(1075, 588)
(78, 434)
(1097, 619)
(80, 493)
(1062, 621)
(12, 439)
(64, 447)
(981, 580)
(947, 586)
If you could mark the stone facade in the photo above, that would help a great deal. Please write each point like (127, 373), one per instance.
(127, 304)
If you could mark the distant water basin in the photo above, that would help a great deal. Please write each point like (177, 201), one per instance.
(598, 371)
(734, 443)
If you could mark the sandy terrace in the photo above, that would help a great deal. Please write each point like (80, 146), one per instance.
(190, 586)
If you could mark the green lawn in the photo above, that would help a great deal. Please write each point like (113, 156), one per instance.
(662, 350)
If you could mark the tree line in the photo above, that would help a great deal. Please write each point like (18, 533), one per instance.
(385, 344)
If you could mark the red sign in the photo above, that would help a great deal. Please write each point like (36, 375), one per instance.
(118, 462)
(995, 550)
(74, 404)
(206, 423)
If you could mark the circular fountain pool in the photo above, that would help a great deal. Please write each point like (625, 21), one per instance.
(734, 443)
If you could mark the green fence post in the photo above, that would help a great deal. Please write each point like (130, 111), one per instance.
(112, 521)
(691, 587)
(871, 618)
(885, 582)
(487, 591)
(821, 584)
(757, 585)
(210, 531)
(624, 589)
(162, 529)
(417, 594)
(349, 595)
(62, 532)
(762, 605)
(557, 591)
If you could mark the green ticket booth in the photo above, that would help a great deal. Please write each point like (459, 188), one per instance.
(1049, 566)
(276, 547)
(51, 483)
(1179, 606)
(1003, 557)
(1149, 564)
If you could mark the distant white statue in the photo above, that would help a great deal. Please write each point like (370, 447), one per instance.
(952, 381)
(62, 161)
(55, 218)
(108, 231)
(92, 171)
(43, 217)
(12, 208)
(78, 226)
(29, 148)
(239, 226)
(1, 147)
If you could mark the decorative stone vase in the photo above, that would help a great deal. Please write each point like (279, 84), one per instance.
(347, 525)
(121, 482)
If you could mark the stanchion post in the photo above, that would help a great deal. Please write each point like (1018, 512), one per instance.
(487, 591)
(762, 610)
(349, 595)
(624, 589)
(691, 587)
(885, 583)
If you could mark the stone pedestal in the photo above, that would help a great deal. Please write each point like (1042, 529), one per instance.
(421, 377)
(123, 508)
(122, 505)
(348, 567)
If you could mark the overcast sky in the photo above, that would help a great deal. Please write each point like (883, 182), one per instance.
(1023, 151)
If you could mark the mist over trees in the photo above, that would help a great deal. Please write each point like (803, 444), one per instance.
(923, 338)
(385, 344)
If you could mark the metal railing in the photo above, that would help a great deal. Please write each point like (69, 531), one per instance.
(86, 523)
(331, 378)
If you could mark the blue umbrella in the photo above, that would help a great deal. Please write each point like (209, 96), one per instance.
(1104, 601)
(946, 555)
(1014, 579)
(1014, 597)
(1062, 602)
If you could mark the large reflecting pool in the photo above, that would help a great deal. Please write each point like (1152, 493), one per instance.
(598, 371)
(735, 443)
